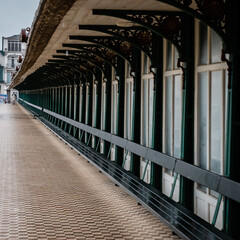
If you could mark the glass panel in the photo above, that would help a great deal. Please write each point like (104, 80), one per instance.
(127, 109)
(177, 115)
(202, 43)
(94, 105)
(202, 119)
(169, 56)
(131, 110)
(128, 70)
(81, 104)
(168, 116)
(145, 64)
(176, 56)
(103, 107)
(145, 113)
(216, 46)
(87, 104)
(151, 112)
(216, 120)
(114, 108)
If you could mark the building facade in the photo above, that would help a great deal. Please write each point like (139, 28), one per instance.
(12, 48)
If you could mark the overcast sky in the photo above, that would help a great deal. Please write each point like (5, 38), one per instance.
(15, 15)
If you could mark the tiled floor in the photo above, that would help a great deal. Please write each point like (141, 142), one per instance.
(47, 191)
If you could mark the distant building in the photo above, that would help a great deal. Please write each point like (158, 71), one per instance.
(12, 48)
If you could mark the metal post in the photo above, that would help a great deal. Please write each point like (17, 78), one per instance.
(124, 160)
(145, 169)
(174, 184)
(89, 138)
(109, 151)
(217, 210)
(98, 144)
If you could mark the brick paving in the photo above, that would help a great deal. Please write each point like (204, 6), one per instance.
(48, 191)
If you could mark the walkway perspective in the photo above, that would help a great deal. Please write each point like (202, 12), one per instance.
(48, 191)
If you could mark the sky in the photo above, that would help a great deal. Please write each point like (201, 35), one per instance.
(15, 15)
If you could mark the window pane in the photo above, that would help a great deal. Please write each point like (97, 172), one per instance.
(202, 43)
(169, 56)
(176, 56)
(87, 104)
(202, 118)
(114, 107)
(150, 112)
(216, 120)
(128, 70)
(127, 110)
(80, 104)
(177, 115)
(103, 106)
(145, 64)
(168, 116)
(215, 47)
(131, 110)
(145, 113)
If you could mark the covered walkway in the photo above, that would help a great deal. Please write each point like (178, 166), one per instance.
(48, 191)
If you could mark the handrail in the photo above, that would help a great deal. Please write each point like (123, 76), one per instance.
(214, 181)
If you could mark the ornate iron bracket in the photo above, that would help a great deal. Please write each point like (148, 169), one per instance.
(76, 61)
(76, 52)
(83, 72)
(86, 56)
(213, 12)
(122, 48)
(166, 24)
(108, 55)
(137, 36)
(72, 66)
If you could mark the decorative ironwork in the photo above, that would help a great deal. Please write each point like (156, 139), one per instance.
(106, 54)
(91, 60)
(75, 61)
(121, 47)
(137, 36)
(165, 24)
(212, 12)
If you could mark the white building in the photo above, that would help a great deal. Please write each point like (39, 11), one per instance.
(12, 48)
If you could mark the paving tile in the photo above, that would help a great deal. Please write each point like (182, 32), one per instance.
(48, 191)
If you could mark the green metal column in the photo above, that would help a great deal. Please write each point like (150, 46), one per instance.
(59, 104)
(187, 149)
(99, 104)
(83, 108)
(90, 100)
(80, 99)
(108, 123)
(120, 110)
(66, 106)
(62, 103)
(70, 106)
(75, 107)
(156, 170)
(135, 163)
(232, 163)
(55, 103)
(87, 97)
